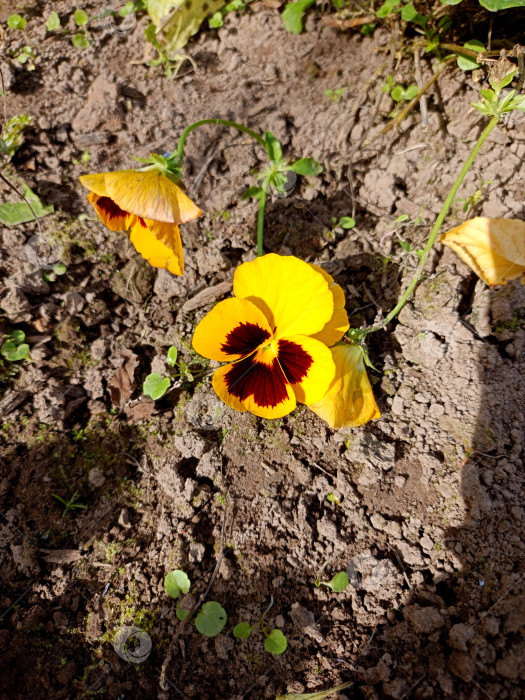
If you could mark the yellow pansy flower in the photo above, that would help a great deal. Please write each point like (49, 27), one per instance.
(151, 205)
(349, 401)
(269, 334)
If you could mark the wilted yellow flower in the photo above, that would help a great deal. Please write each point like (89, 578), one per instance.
(493, 248)
(149, 203)
(349, 401)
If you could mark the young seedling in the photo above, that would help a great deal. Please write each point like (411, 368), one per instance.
(332, 498)
(338, 584)
(212, 617)
(70, 504)
(14, 349)
(275, 642)
(155, 385)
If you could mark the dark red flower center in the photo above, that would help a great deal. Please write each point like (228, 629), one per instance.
(267, 383)
(244, 339)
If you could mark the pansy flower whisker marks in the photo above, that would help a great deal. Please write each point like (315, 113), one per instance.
(150, 203)
(271, 333)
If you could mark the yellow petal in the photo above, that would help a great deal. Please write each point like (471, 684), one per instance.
(493, 248)
(349, 401)
(295, 298)
(308, 366)
(159, 244)
(95, 183)
(337, 326)
(150, 195)
(111, 216)
(251, 384)
(233, 329)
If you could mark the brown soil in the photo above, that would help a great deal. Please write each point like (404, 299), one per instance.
(430, 520)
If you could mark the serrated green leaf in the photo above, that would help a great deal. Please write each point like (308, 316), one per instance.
(13, 213)
(155, 386)
(275, 642)
(339, 582)
(176, 583)
(80, 18)
(242, 630)
(307, 167)
(273, 147)
(292, 15)
(468, 62)
(53, 22)
(387, 8)
(211, 619)
(171, 356)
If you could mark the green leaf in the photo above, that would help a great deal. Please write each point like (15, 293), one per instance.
(242, 630)
(81, 41)
(410, 14)
(273, 147)
(398, 93)
(59, 268)
(275, 642)
(80, 18)
(17, 336)
(178, 20)
(171, 357)
(451, 2)
(211, 619)
(155, 386)
(388, 7)
(339, 582)
(307, 167)
(53, 22)
(181, 613)
(255, 192)
(216, 21)
(12, 134)
(410, 92)
(14, 352)
(468, 62)
(16, 22)
(495, 5)
(293, 15)
(346, 222)
(176, 582)
(13, 213)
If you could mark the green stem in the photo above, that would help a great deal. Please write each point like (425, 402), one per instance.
(260, 216)
(224, 122)
(435, 229)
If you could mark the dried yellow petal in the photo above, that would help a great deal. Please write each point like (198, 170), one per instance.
(493, 248)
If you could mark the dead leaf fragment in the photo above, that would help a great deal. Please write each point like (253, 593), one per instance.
(122, 382)
(61, 556)
(493, 248)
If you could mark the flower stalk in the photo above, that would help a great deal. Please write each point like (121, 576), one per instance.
(435, 229)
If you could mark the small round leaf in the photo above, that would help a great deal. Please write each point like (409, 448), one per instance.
(176, 582)
(339, 582)
(346, 222)
(155, 386)
(275, 642)
(242, 630)
(211, 619)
